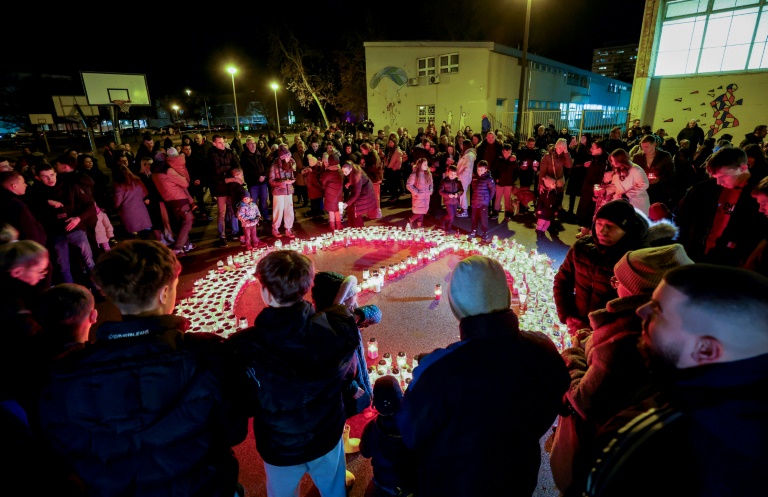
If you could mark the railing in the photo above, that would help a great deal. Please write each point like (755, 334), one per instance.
(578, 122)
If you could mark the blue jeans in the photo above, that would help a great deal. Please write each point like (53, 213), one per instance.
(76, 238)
(224, 205)
(260, 195)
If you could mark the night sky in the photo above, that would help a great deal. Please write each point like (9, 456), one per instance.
(181, 46)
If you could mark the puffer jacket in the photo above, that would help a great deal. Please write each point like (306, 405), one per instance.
(362, 196)
(450, 186)
(278, 174)
(421, 191)
(332, 181)
(170, 184)
(170, 429)
(297, 361)
(483, 190)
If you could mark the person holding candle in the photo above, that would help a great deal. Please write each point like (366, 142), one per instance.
(421, 187)
(595, 181)
(456, 416)
(281, 179)
(297, 361)
(332, 184)
(659, 168)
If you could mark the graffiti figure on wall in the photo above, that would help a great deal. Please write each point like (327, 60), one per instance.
(722, 105)
(389, 92)
(449, 119)
(462, 119)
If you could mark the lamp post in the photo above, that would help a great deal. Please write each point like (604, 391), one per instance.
(522, 99)
(176, 108)
(232, 70)
(277, 112)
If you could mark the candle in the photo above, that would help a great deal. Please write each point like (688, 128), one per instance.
(387, 359)
(242, 322)
(366, 274)
(401, 360)
(373, 348)
(382, 368)
(415, 361)
(220, 266)
(438, 292)
(278, 244)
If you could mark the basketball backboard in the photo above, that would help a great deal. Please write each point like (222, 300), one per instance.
(39, 119)
(105, 88)
(65, 106)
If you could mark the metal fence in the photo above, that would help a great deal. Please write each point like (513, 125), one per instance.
(578, 121)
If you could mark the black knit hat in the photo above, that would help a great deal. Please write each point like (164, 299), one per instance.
(387, 395)
(620, 212)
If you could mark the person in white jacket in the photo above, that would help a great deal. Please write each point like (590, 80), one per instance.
(629, 181)
(465, 169)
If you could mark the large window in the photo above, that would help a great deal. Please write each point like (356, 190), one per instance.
(426, 113)
(426, 66)
(699, 38)
(449, 63)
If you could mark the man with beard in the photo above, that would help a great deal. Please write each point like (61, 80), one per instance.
(705, 339)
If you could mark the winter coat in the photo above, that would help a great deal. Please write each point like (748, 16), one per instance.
(547, 205)
(248, 214)
(421, 191)
(253, 167)
(466, 166)
(312, 180)
(362, 197)
(503, 171)
(170, 184)
(219, 164)
(394, 158)
(554, 165)
(582, 284)
(489, 152)
(607, 375)
(104, 229)
(279, 172)
(525, 159)
(696, 213)
(662, 167)
(332, 182)
(437, 422)
(580, 156)
(694, 135)
(129, 202)
(483, 190)
(297, 361)
(634, 186)
(451, 186)
(393, 463)
(171, 428)
(76, 200)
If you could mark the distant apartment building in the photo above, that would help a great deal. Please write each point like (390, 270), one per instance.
(616, 62)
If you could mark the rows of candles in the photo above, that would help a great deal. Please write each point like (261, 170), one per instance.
(399, 367)
(529, 274)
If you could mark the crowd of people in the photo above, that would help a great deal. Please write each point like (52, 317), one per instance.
(664, 297)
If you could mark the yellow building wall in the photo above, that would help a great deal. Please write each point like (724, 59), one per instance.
(729, 103)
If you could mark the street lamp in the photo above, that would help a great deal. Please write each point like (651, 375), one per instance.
(522, 99)
(277, 112)
(231, 70)
(207, 116)
(176, 108)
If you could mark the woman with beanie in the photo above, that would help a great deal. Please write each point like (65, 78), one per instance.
(583, 281)
(608, 372)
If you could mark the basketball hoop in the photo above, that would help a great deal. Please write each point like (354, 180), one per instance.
(125, 105)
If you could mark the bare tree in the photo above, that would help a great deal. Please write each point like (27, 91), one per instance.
(306, 72)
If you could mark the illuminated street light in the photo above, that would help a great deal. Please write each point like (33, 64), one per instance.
(231, 70)
(522, 99)
(176, 108)
(207, 116)
(277, 112)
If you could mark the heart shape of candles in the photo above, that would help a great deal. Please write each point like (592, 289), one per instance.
(529, 274)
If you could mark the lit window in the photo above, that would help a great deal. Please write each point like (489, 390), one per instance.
(426, 113)
(449, 63)
(426, 66)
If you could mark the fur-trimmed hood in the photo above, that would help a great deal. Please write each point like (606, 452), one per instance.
(662, 232)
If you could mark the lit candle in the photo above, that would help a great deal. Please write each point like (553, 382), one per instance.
(242, 322)
(220, 266)
(438, 292)
(415, 361)
(278, 244)
(382, 368)
(387, 359)
(401, 360)
(366, 274)
(373, 348)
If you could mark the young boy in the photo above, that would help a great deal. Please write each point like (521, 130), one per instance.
(65, 312)
(394, 464)
(236, 190)
(297, 361)
(451, 190)
(483, 191)
(249, 216)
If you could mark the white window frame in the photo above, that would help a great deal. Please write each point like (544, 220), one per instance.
(445, 66)
(423, 66)
(425, 113)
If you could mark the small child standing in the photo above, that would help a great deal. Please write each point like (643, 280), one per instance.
(394, 464)
(546, 204)
(420, 185)
(332, 182)
(249, 216)
(105, 233)
(483, 191)
(450, 190)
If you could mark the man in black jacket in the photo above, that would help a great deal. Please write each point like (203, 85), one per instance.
(220, 161)
(156, 406)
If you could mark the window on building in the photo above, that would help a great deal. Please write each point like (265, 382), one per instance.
(449, 63)
(426, 66)
(696, 38)
(602, 68)
(426, 113)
